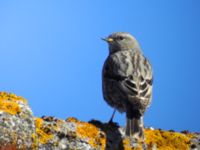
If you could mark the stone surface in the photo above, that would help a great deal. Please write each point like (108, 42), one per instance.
(19, 129)
(17, 123)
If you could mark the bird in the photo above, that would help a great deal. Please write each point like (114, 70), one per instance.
(127, 80)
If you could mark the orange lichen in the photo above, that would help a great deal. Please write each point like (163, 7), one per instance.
(11, 97)
(9, 107)
(43, 136)
(8, 103)
(38, 122)
(90, 132)
(127, 145)
(34, 144)
(58, 125)
(72, 119)
(166, 140)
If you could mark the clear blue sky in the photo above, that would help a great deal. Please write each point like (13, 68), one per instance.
(51, 53)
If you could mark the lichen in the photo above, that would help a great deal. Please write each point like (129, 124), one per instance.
(16, 122)
(9, 103)
(34, 144)
(20, 130)
(166, 140)
(128, 146)
(9, 107)
(41, 131)
(12, 97)
(88, 131)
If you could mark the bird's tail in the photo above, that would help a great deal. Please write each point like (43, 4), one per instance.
(134, 128)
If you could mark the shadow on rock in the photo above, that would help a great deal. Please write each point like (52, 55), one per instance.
(113, 136)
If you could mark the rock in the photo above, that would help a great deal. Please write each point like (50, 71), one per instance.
(17, 125)
(72, 134)
(20, 130)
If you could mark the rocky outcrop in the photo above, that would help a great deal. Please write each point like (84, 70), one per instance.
(19, 129)
(17, 125)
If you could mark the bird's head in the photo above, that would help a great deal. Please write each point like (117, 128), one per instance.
(121, 41)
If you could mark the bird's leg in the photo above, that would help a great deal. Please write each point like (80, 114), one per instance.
(111, 119)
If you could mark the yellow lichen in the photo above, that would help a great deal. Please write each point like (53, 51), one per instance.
(58, 125)
(90, 132)
(163, 140)
(34, 144)
(38, 122)
(166, 140)
(72, 119)
(12, 97)
(43, 136)
(9, 107)
(127, 145)
(8, 103)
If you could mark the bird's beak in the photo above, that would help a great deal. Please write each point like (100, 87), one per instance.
(109, 40)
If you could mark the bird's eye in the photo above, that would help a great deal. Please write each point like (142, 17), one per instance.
(120, 38)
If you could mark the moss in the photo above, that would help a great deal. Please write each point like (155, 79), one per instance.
(43, 135)
(90, 132)
(166, 140)
(8, 103)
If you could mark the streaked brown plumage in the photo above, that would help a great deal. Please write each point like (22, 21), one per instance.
(127, 81)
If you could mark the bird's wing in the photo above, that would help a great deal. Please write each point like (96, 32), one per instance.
(145, 77)
(134, 74)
